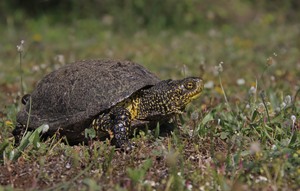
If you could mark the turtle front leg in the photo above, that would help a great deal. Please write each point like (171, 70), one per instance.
(117, 123)
(121, 122)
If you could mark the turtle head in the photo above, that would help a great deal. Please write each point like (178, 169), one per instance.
(182, 92)
(168, 97)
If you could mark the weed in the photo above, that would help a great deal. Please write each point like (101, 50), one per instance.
(20, 49)
(137, 175)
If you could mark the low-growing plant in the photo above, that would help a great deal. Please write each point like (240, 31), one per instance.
(137, 174)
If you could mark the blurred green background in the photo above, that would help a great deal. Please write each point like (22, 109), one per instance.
(172, 38)
(155, 15)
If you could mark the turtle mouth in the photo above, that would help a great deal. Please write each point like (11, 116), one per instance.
(198, 90)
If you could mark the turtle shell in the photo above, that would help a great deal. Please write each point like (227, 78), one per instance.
(72, 96)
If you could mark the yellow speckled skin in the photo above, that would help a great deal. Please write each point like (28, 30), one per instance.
(164, 99)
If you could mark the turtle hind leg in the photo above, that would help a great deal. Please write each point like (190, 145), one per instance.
(18, 133)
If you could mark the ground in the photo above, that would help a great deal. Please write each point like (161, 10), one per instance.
(242, 133)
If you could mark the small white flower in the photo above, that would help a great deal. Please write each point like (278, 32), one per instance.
(60, 59)
(272, 78)
(209, 85)
(261, 179)
(293, 118)
(150, 182)
(252, 90)
(35, 68)
(68, 166)
(45, 128)
(20, 47)
(283, 105)
(288, 100)
(221, 65)
(218, 69)
(240, 81)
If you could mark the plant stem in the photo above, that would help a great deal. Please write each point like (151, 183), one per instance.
(21, 73)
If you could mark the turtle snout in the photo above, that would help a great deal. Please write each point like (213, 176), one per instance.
(199, 85)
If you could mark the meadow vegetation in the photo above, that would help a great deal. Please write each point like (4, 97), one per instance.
(243, 133)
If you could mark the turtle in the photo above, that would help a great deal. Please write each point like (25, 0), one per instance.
(110, 96)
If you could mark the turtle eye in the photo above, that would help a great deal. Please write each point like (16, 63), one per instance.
(189, 85)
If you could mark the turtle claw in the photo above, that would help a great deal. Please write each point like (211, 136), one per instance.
(126, 147)
(129, 146)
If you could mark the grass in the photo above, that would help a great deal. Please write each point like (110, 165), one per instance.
(241, 134)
